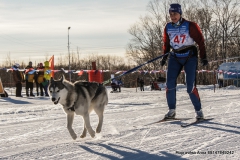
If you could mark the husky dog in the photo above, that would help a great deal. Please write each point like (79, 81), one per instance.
(79, 98)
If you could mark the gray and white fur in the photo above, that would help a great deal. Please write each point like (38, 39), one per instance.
(79, 98)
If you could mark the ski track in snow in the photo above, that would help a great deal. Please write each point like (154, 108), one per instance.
(36, 129)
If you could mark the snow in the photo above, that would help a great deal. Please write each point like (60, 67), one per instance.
(35, 128)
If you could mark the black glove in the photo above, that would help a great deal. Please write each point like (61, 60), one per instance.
(163, 61)
(204, 62)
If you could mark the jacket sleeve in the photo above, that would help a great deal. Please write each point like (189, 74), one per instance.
(196, 33)
(166, 41)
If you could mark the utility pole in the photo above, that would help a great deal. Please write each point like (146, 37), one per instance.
(69, 67)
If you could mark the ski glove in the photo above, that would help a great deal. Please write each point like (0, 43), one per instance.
(204, 62)
(163, 61)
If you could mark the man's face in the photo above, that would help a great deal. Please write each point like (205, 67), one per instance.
(175, 16)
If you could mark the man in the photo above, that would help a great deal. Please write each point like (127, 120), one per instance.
(18, 79)
(141, 84)
(138, 81)
(46, 77)
(115, 85)
(180, 35)
(39, 79)
(220, 78)
(29, 78)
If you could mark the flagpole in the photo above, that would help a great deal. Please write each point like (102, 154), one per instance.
(69, 67)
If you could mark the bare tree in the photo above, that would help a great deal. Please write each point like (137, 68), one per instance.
(219, 21)
(147, 34)
(228, 17)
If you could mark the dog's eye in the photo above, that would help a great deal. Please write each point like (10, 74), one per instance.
(58, 90)
(50, 91)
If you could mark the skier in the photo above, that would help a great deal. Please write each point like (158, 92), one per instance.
(180, 35)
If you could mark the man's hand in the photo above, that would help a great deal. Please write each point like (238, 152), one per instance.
(163, 61)
(204, 62)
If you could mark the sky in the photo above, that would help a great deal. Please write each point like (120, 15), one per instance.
(37, 29)
(35, 128)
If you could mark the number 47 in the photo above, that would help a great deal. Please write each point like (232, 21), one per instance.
(177, 39)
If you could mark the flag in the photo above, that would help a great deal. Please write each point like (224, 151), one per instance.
(51, 65)
(80, 73)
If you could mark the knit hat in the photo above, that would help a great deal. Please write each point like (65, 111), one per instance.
(17, 65)
(175, 7)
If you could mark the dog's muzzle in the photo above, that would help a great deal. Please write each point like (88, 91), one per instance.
(54, 100)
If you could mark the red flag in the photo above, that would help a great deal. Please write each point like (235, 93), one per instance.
(51, 65)
(80, 73)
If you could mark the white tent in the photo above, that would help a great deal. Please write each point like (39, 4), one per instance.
(231, 70)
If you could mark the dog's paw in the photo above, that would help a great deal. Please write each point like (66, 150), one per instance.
(98, 130)
(74, 137)
(92, 134)
(83, 136)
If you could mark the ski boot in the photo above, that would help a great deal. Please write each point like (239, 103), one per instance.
(171, 114)
(199, 115)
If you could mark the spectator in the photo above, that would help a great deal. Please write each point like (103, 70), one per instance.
(47, 77)
(120, 84)
(18, 79)
(115, 85)
(152, 85)
(138, 82)
(141, 84)
(220, 78)
(39, 79)
(29, 78)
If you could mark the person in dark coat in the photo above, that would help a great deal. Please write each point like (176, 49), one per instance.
(220, 78)
(141, 84)
(138, 82)
(18, 79)
(115, 85)
(39, 77)
(29, 78)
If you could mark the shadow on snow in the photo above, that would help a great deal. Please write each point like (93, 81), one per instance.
(128, 153)
(15, 101)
